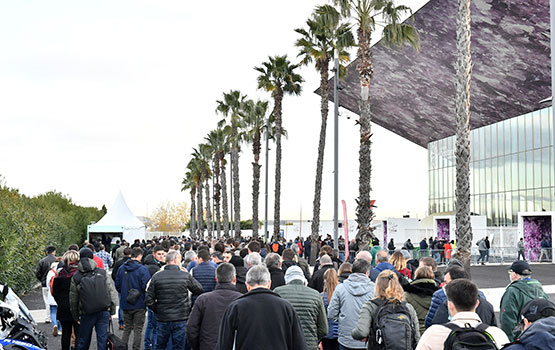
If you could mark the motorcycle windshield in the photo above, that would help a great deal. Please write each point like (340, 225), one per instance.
(13, 300)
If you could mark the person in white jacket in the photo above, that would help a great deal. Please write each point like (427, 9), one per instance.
(57, 327)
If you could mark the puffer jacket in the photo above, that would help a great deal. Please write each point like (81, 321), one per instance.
(168, 294)
(484, 310)
(539, 336)
(345, 305)
(517, 294)
(310, 309)
(205, 274)
(419, 294)
(437, 298)
(362, 329)
(379, 268)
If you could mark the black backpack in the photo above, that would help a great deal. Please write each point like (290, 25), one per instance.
(93, 291)
(469, 338)
(391, 327)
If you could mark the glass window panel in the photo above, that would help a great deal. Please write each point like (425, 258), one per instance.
(521, 133)
(529, 169)
(550, 111)
(544, 116)
(451, 181)
(472, 204)
(501, 210)
(494, 210)
(514, 135)
(482, 176)
(522, 201)
(501, 174)
(494, 140)
(508, 208)
(507, 136)
(488, 175)
(482, 143)
(536, 123)
(472, 189)
(538, 202)
(483, 206)
(521, 171)
(530, 200)
(494, 178)
(514, 172)
(500, 139)
(508, 181)
(440, 192)
(538, 168)
(529, 119)
(546, 199)
(471, 146)
(546, 164)
(489, 210)
(487, 141)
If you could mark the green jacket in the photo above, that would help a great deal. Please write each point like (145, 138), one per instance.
(517, 294)
(74, 289)
(309, 306)
(419, 294)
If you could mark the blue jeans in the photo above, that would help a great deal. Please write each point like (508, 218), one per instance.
(173, 332)
(487, 255)
(100, 322)
(53, 311)
(120, 312)
(150, 331)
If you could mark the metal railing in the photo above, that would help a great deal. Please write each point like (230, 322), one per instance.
(498, 255)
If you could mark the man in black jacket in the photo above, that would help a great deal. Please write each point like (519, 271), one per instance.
(317, 281)
(168, 297)
(206, 316)
(260, 316)
(41, 271)
(154, 263)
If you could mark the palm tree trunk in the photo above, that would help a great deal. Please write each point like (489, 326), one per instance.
(200, 219)
(224, 198)
(364, 211)
(278, 97)
(315, 226)
(462, 152)
(236, 194)
(255, 183)
(192, 218)
(209, 221)
(217, 190)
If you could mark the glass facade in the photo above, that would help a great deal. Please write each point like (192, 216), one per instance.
(511, 169)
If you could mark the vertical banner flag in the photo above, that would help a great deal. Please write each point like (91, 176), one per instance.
(346, 228)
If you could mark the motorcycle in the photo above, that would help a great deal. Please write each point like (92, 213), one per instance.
(18, 329)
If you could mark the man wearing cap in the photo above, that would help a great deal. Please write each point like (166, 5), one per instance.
(520, 291)
(538, 325)
(308, 304)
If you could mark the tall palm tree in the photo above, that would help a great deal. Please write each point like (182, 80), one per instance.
(218, 144)
(367, 14)
(188, 184)
(325, 34)
(205, 153)
(230, 106)
(279, 77)
(254, 124)
(195, 167)
(462, 106)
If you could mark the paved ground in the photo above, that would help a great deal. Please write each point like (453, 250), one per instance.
(491, 279)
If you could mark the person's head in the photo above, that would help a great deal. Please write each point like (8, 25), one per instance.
(127, 251)
(225, 273)
(326, 250)
(253, 246)
(382, 256)
(398, 261)
(295, 273)
(173, 258)
(159, 253)
(203, 255)
(519, 269)
(189, 256)
(296, 249)
(258, 277)
(254, 259)
(454, 273)
(536, 309)
(91, 247)
(227, 256)
(136, 254)
(462, 295)
(219, 247)
(361, 266)
(288, 254)
(73, 247)
(273, 260)
(428, 261)
(70, 257)
(325, 260)
(102, 247)
(345, 268)
(330, 282)
(388, 287)
(217, 257)
(365, 255)
(86, 253)
(50, 250)
(424, 272)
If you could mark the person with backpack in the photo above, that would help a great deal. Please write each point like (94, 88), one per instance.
(387, 322)
(41, 271)
(538, 326)
(466, 330)
(92, 300)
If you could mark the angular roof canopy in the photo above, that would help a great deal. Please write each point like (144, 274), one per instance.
(119, 215)
(413, 93)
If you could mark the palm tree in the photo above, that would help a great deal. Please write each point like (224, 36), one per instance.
(188, 184)
(205, 158)
(279, 77)
(255, 122)
(230, 107)
(367, 14)
(325, 34)
(462, 106)
(218, 144)
(195, 168)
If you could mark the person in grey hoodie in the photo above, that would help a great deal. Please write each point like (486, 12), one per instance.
(347, 301)
(483, 249)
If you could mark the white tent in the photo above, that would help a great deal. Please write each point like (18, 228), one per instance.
(119, 221)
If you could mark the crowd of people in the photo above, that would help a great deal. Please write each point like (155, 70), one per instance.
(228, 294)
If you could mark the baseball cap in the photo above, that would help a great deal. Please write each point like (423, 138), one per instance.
(538, 308)
(521, 267)
(406, 254)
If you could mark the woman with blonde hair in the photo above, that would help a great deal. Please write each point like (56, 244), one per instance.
(400, 264)
(330, 342)
(60, 291)
(419, 293)
(389, 300)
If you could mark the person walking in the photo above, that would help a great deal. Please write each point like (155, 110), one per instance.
(258, 316)
(206, 315)
(60, 292)
(538, 326)
(307, 303)
(126, 255)
(520, 291)
(273, 263)
(204, 272)
(105, 257)
(423, 247)
(482, 248)
(329, 342)
(41, 272)
(419, 293)
(391, 246)
(154, 263)
(317, 280)
(168, 296)
(131, 283)
(520, 249)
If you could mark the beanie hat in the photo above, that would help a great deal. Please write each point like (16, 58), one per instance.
(86, 253)
(294, 273)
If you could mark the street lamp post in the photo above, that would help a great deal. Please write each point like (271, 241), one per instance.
(336, 152)
(266, 181)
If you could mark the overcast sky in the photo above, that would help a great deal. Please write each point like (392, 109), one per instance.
(103, 96)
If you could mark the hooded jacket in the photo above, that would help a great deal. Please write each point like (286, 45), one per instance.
(379, 268)
(152, 264)
(138, 277)
(484, 310)
(419, 294)
(345, 305)
(539, 336)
